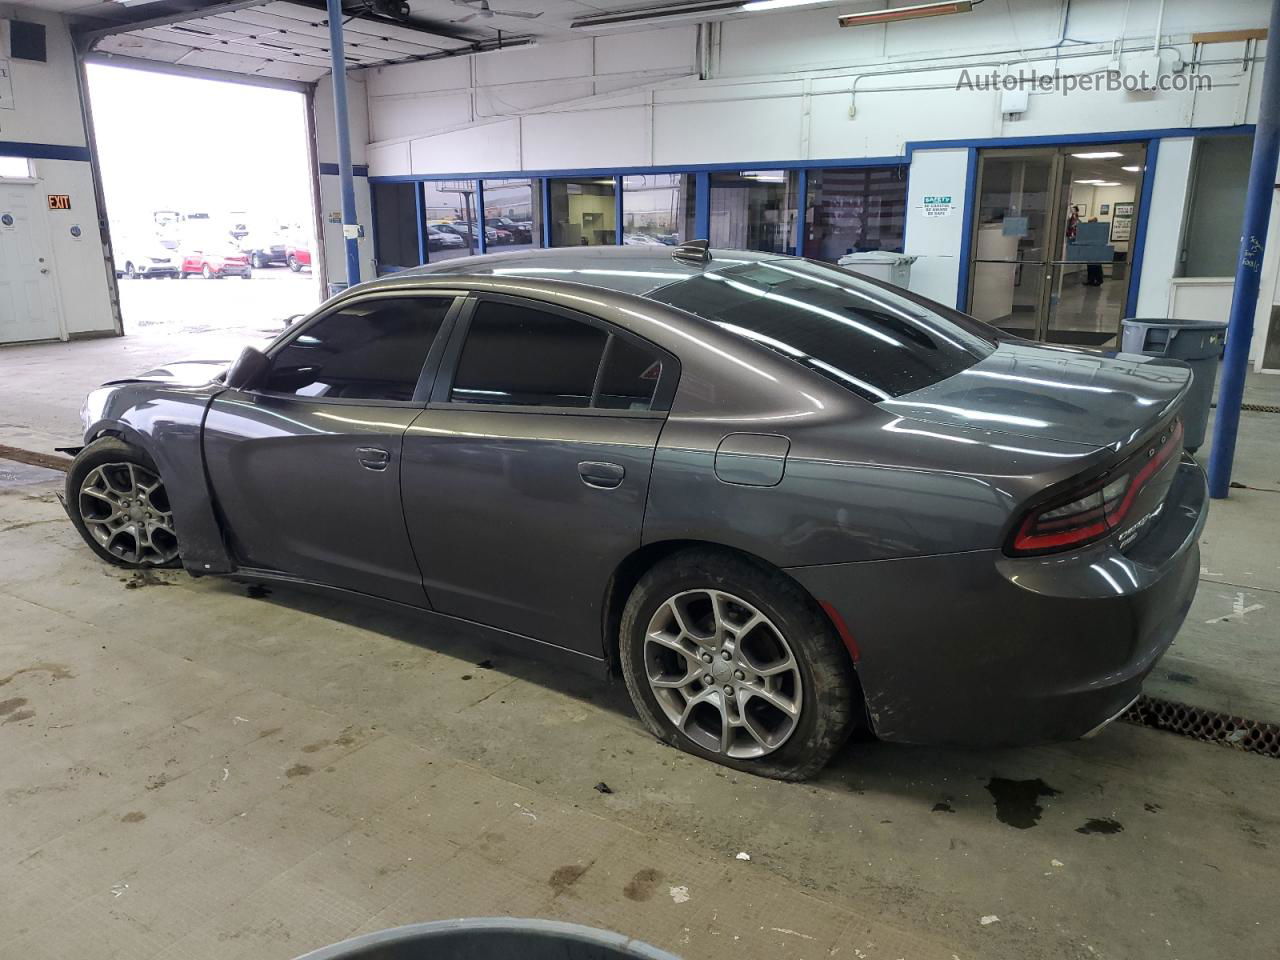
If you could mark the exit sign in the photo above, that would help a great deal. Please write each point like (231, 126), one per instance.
(59, 201)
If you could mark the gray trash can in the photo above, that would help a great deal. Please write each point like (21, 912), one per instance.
(892, 268)
(497, 938)
(1198, 343)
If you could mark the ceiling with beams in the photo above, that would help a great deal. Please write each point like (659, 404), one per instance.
(289, 39)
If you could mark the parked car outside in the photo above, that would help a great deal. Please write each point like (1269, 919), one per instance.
(264, 250)
(517, 232)
(298, 257)
(782, 500)
(215, 263)
(443, 240)
(467, 231)
(144, 259)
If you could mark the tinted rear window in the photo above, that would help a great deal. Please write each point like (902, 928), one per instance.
(862, 336)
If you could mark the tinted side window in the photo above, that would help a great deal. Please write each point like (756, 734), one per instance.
(519, 355)
(368, 350)
(629, 376)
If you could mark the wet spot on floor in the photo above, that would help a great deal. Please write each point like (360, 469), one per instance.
(269, 732)
(562, 878)
(56, 671)
(1103, 825)
(1016, 800)
(158, 781)
(257, 591)
(20, 716)
(1151, 807)
(9, 706)
(1177, 677)
(466, 676)
(314, 747)
(298, 770)
(133, 816)
(643, 885)
(345, 739)
(943, 806)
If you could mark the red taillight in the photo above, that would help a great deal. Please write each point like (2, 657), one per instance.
(1094, 510)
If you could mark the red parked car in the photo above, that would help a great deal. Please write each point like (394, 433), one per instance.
(229, 262)
(298, 257)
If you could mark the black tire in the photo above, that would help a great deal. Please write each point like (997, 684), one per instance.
(209, 273)
(129, 271)
(831, 705)
(258, 261)
(294, 265)
(104, 451)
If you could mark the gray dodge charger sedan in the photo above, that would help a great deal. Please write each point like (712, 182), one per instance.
(783, 501)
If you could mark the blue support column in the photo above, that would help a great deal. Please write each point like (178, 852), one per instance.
(342, 128)
(1244, 301)
(802, 203)
(617, 210)
(546, 212)
(701, 206)
(418, 212)
(482, 233)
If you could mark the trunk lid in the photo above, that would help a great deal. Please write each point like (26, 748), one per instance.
(1077, 396)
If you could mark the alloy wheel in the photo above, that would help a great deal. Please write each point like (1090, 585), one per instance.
(126, 509)
(723, 673)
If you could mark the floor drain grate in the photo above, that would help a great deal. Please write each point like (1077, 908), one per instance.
(1251, 735)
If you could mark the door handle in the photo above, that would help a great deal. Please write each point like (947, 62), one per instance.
(375, 458)
(606, 476)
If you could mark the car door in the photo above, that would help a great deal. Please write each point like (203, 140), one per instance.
(306, 468)
(526, 477)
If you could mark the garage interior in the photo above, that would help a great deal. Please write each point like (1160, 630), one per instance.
(201, 768)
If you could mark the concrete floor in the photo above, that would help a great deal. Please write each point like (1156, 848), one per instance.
(189, 768)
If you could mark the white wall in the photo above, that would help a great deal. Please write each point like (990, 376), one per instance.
(46, 110)
(936, 240)
(1165, 216)
(790, 86)
(334, 247)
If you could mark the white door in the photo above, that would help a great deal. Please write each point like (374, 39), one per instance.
(28, 300)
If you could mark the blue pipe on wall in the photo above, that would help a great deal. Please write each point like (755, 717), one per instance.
(346, 176)
(1244, 301)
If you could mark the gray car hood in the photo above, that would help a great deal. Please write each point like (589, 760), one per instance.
(184, 373)
(1066, 394)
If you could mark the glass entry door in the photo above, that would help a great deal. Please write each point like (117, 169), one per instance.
(1051, 240)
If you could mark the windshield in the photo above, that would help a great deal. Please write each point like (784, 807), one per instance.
(868, 338)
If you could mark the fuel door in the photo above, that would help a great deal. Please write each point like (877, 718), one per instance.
(752, 459)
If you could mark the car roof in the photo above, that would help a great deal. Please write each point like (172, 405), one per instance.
(634, 269)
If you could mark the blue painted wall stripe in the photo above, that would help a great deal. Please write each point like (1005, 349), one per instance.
(966, 236)
(42, 151)
(1138, 246)
(360, 170)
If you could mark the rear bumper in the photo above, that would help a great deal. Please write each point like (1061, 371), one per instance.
(980, 649)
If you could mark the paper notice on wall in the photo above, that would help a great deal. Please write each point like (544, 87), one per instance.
(938, 206)
(6, 86)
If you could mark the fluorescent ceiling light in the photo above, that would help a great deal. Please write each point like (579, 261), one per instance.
(1100, 183)
(914, 12)
(1098, 155)
(755, 5)
(1131, 169)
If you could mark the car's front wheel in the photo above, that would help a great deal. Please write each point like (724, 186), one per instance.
(732, 661)
(118, 502)
(207, 272)
(294, 264)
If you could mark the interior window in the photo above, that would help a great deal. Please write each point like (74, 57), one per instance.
(520, 355)
(368, 350)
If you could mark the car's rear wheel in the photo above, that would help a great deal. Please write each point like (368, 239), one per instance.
(259, 261)
(207, 272)
(130, 271)
(118, 502)
(294, 265)
(732, 661)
